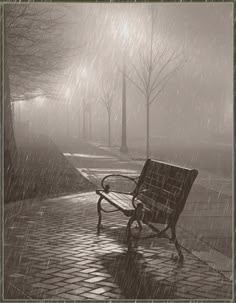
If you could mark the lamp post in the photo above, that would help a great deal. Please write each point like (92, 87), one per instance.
(124, 148)
(84, 119)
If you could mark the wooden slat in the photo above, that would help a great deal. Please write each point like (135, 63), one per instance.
(122, 201)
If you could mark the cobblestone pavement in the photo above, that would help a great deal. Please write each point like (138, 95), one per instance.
(52, 251)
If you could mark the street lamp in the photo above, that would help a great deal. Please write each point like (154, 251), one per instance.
(84, 119)
(124, 148)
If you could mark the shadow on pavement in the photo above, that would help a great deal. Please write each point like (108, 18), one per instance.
(129, 271)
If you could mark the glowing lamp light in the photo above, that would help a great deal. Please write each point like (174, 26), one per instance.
(125, 31)
(67, 92)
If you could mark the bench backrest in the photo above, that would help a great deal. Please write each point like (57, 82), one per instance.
(167, 187)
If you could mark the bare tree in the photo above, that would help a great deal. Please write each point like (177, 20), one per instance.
(107, 101)
(35, 53)
(153, 73)
(37, 49)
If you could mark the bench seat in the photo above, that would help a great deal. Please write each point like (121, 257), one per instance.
(121, 201)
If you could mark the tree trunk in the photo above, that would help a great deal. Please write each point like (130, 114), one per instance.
(10, 151)
(147, 129)
(109, 129)
(9, 138)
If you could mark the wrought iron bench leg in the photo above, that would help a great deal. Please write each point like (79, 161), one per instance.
(139, 225)
(99, 214)
(180, 257)
(128, 231)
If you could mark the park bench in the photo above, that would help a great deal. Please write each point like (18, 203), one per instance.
(159, 196)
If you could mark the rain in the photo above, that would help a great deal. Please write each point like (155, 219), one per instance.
(142, 90)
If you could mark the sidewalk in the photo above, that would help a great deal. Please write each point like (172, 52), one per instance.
(52, 251)
(205, 226)
(205, 178)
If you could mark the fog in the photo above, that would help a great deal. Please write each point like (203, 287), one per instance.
(196, 104)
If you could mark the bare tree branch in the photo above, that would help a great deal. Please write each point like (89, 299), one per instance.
(140, 76)
(166, 80)
(136, 85)
(162, 68)
(36, 50)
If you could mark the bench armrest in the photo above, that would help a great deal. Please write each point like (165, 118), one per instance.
(136, 196)
(106, 188)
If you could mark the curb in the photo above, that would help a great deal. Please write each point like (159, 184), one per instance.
(207, 256)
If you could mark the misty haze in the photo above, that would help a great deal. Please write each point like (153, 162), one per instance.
(92, 90)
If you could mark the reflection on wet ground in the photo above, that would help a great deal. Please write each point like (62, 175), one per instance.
(129, 270)
(52, 251)
(206, 222)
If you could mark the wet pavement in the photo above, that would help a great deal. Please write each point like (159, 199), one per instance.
(205, 226)
(52, 251)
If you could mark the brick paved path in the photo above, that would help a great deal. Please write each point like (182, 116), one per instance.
(52, 251)
(205, 225)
